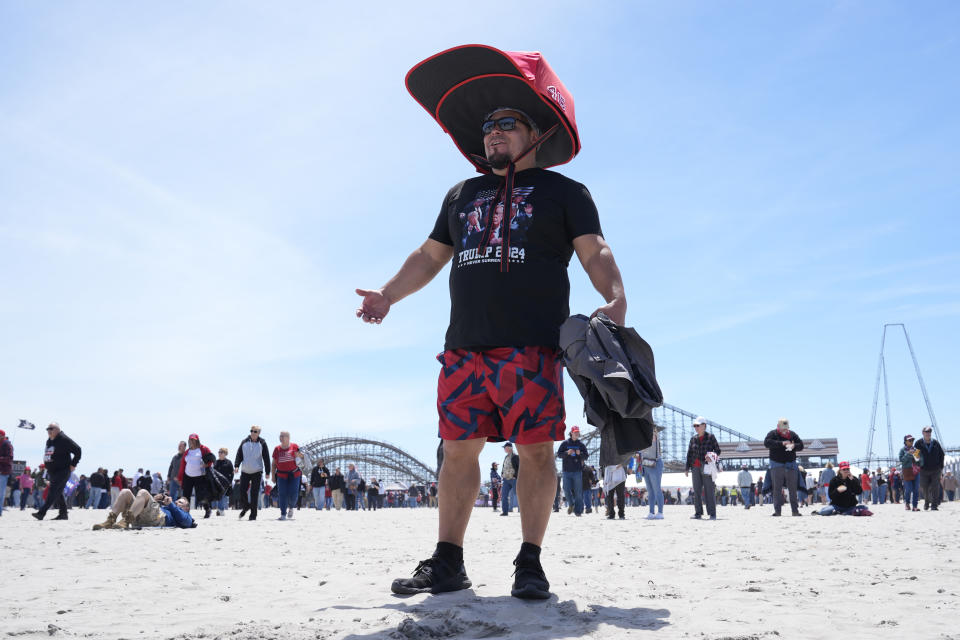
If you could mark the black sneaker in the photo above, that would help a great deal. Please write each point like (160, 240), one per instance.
(38, 515)
(243, 512)
(529, 581)
(62, 516)
(433, 575)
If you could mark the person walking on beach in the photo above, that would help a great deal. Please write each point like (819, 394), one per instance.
(879, 487)
(192, 475)
(26, 487)
(909, 457)
(500, 336)
(950, 485)
(173, 485)
(286, 475)
(373, 494)
(573, 454)
(352, 478)
(98, 484)
(650, 465)
(931, 466)
(6, 466)
(495, 482)
(253, 461)
(337, 485)
(614, 486)
(318, 483)
(704, 488)
(744, 480)
(60, 456)
(225, 468)
(511, 467)
(783, 445)
(865, 486)
(826, 476)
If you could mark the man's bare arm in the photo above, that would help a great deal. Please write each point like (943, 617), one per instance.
(420, 268)
(597, 260)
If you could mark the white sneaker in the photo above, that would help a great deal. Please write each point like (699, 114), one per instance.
(282, 518)
(651, 516)
(659, 516)
(290, 517)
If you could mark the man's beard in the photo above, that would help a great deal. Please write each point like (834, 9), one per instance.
(499, 160)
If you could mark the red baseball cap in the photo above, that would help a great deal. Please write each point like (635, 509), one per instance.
(193, 436)
(575, 428)
(3, 434)
(844, 465)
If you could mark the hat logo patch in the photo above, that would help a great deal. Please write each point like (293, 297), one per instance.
(557, 97)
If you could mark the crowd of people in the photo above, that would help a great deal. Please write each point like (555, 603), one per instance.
(256, 478)
(196, 477)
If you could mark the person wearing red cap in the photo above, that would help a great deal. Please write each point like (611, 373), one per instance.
(843, 492)
(501, 375)
(193, 472)
(6, 465)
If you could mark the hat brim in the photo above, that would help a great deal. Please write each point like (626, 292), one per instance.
(460, 86)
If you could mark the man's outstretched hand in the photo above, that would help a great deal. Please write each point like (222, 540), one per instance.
(375, 306)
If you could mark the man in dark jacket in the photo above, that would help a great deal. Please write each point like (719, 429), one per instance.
(6, 465)
(932, 458)
(173, 486)
(573, 453)
(252, 460)
(783, 445)
(703, 485)
(98, 484)
(61, 456)
(338, 485)
(224, 467)
(318, 484)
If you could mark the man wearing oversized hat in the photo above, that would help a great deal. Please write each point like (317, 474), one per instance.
(501, 375)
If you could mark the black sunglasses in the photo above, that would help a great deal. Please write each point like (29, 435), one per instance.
(506, 123)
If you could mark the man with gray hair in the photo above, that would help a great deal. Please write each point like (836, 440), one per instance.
(60, 456)
(784, 445)
(704, 487)
(253, 460)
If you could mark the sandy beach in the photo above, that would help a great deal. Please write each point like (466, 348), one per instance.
(326, 575)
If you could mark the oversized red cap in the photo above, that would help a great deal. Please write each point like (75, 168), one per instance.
(459, 87)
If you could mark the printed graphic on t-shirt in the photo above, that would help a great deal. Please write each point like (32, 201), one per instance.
(48, 454)
(486, 233)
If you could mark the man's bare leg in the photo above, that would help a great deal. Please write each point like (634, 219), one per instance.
(536, 489)
(458, 487)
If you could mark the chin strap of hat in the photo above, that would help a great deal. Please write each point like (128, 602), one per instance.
(505, 197)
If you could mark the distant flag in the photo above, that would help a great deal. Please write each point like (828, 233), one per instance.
(26, 425)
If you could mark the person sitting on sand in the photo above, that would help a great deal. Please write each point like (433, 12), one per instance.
(843, 492)
(144, 510)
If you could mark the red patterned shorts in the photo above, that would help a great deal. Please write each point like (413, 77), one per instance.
(501, 394)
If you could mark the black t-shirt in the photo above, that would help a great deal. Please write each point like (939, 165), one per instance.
(525, 304)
